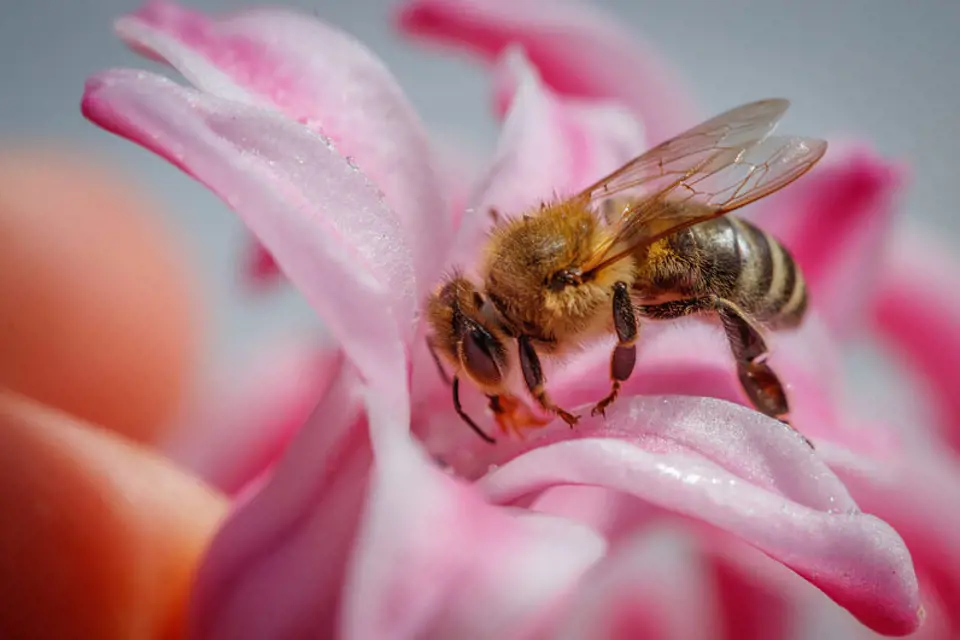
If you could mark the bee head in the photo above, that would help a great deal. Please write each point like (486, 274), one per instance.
(464, 335)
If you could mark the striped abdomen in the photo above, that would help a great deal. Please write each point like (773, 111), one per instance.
(733, 259)
(755, 270)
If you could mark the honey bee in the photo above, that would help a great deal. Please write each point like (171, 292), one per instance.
(649, 241)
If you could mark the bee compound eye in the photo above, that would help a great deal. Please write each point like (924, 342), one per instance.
(479, 348)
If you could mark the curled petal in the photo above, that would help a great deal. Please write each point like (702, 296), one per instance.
(320, 77)
(918, 492)
(739, 471)
(917, 313)
(579, 52)
(247, 415)
(693, 357)
(550, 146)
(435, 561)
(276, 568)
(835, 221)
(319, 217)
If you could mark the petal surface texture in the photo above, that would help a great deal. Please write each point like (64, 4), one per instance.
(319, 217)
(321, 77)
(739, 471)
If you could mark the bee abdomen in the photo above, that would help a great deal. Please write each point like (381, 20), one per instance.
(770, 285)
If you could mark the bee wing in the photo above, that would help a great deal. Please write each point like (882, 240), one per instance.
(718, 166)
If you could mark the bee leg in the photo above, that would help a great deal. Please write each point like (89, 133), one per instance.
(494, 214)
(463, 414)
(513, 415)
(533, 377)
(761, 385)
(436, 360)
(625, 353)
(500, 414)
(759, 381)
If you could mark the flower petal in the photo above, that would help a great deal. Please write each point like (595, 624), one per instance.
(917, 312)
(259, 270)
(654, 586)
(435, 561)
(320, 77)
(734, 469)
(319, 217)
(835, 221)
(578, 50)
(918, 493)
(276, 568)
(247, 415)
(550, 146)
(684, 581)
(460, 168)
(692, 357)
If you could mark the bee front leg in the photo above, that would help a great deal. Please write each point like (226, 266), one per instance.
(625, 353)
(463, 414)
(533, 377)
(436, 360)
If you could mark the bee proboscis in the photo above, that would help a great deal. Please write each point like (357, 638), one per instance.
(649, 241)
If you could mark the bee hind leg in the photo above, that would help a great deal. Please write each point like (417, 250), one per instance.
(533, 377)
(760, 383)
(624, 355)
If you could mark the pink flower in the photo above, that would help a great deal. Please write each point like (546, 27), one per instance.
(676, 517)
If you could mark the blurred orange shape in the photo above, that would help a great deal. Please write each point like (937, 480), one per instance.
(96, 312)
(101, 536)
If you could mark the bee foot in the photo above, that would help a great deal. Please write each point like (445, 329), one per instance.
(787, 422)
(601, 407)
(569, 418)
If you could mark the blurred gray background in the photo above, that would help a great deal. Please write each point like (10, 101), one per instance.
(882, 71)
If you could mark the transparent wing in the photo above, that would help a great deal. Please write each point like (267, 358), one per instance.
(718, 166)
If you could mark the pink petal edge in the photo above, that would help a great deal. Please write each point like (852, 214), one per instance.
(919, 494)
(309, 506)
(317, 215)
(919, 320)
(247, 413)
(321, 77)
(550, 146)
(577, 49)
